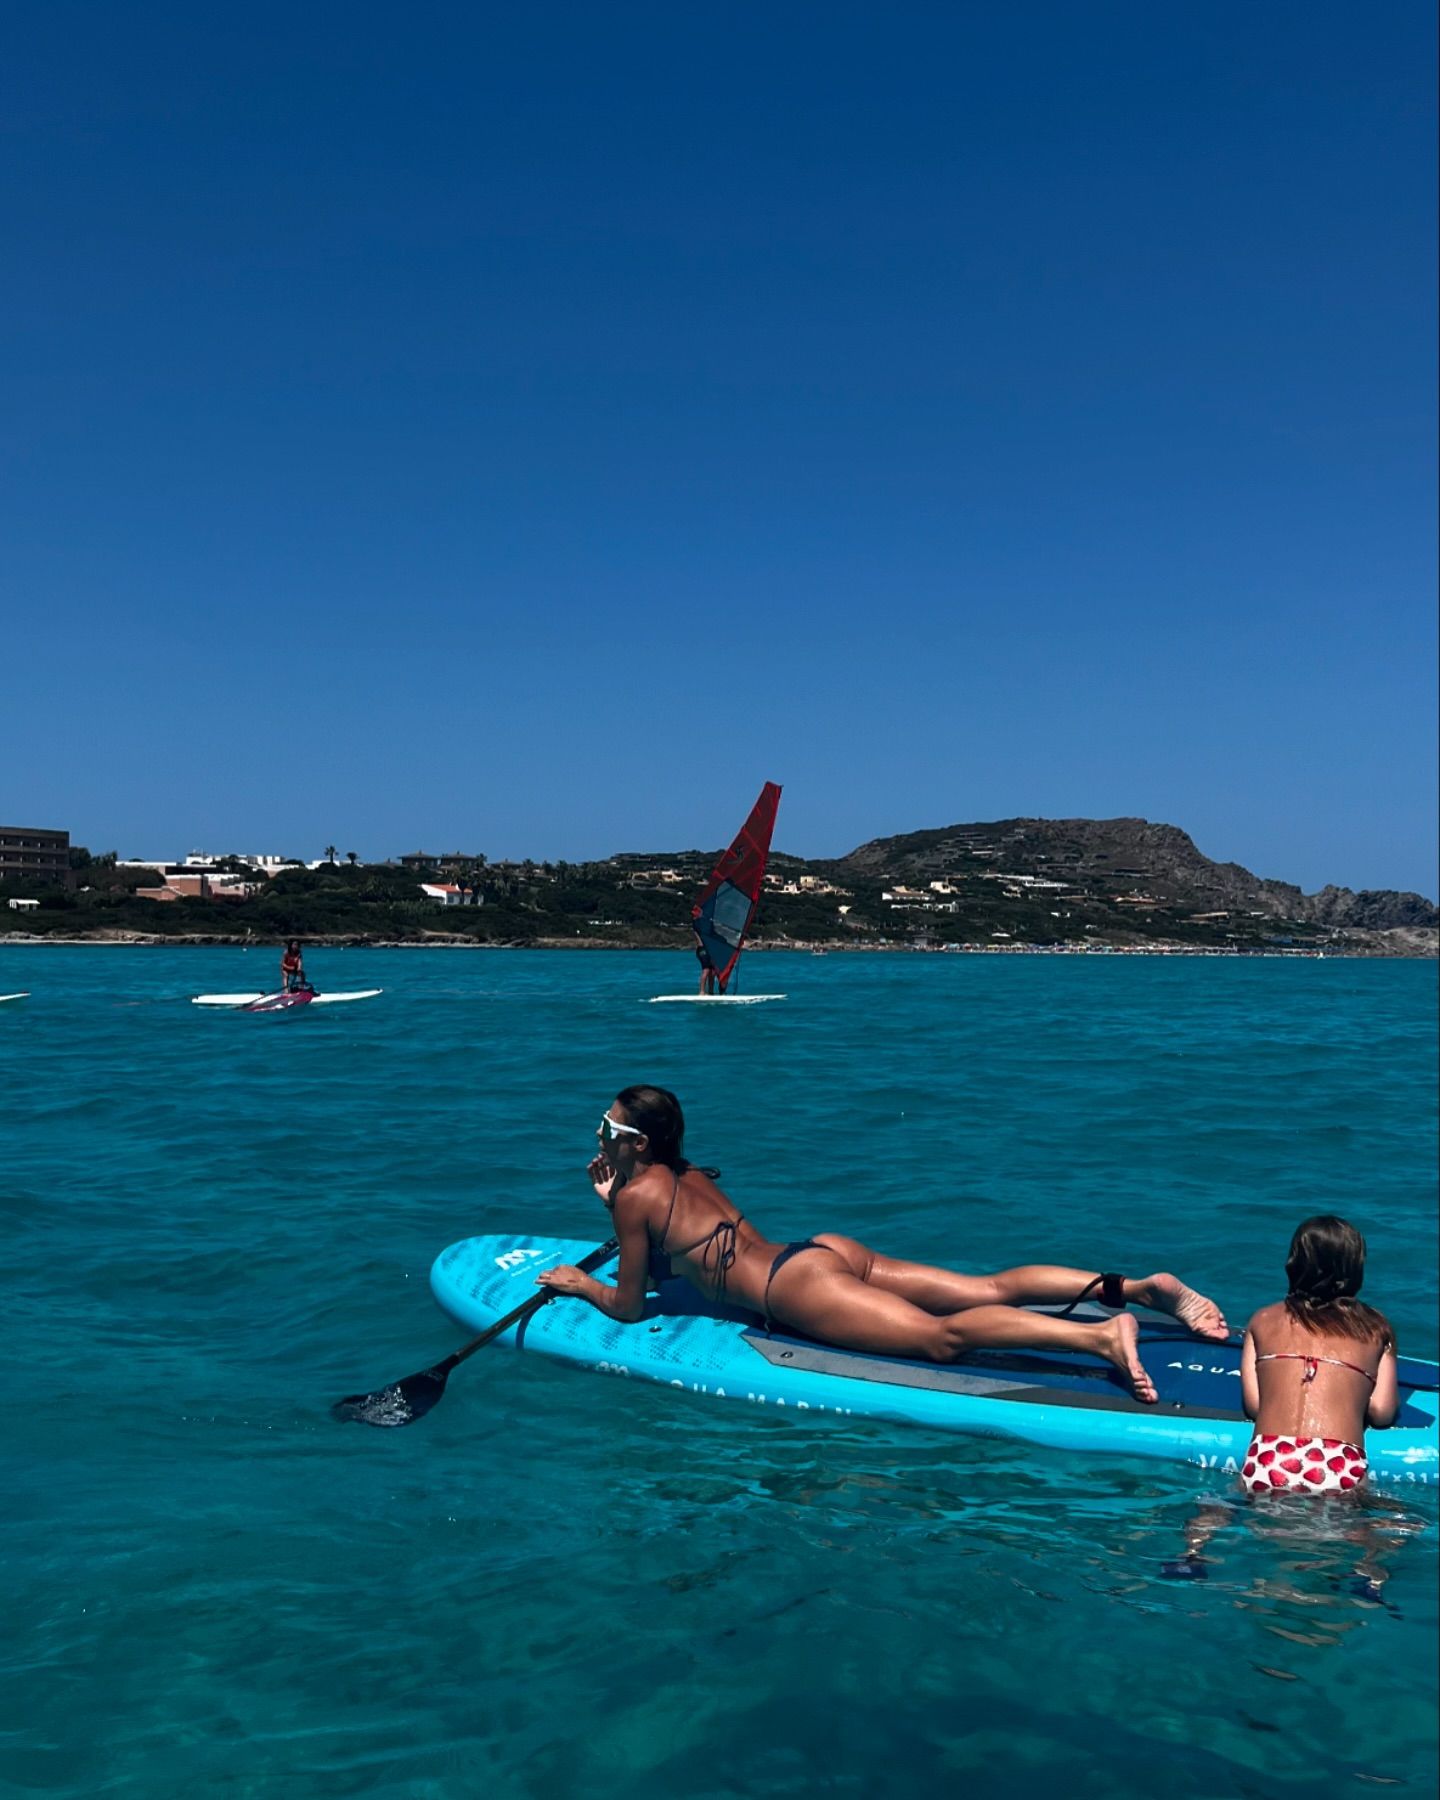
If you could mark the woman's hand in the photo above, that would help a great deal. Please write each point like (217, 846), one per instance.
(563, 1279)
(603, 1173)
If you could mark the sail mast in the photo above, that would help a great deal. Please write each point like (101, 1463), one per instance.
(727, 905)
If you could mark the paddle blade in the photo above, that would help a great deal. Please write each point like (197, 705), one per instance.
(410, 1399)
(401, 1404)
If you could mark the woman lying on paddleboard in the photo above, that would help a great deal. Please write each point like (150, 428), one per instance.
(670, 1217)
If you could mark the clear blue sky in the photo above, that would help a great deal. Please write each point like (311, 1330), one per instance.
(527, 429)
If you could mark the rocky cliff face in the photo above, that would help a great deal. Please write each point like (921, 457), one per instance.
(1372, 909)
(1115, 859)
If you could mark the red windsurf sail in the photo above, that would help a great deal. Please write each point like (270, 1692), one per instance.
(726, 908)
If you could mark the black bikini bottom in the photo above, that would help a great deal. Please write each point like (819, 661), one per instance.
(780, 1262)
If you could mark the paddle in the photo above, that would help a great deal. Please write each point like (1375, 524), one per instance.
(403, 1402)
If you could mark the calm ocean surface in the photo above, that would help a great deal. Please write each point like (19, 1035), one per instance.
(560, 1585)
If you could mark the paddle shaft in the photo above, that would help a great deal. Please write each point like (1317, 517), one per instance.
(525, 1309)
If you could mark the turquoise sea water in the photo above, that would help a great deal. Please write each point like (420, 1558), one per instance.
(562, 1585)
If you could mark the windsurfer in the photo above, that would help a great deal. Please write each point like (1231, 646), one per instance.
(726, 908)
(667, 1212)
(708, 984)
(292, 967)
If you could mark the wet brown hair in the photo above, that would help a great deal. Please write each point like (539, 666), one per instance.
(1326, 1269)
(656, 1112)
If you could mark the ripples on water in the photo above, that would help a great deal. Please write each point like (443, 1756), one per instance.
(558, 1585)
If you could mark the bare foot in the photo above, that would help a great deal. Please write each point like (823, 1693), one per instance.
(1118, 1341)
(1168, 1294)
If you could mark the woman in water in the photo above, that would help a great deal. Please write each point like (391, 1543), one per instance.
(830, 1287)
(1317, 1367)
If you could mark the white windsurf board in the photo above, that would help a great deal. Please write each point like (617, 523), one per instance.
(712, 999)
(250, 999)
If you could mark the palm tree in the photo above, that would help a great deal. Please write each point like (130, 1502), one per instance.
(330, 855)
(351, 858)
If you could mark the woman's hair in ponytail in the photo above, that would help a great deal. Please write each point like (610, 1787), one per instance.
(1326, 1269)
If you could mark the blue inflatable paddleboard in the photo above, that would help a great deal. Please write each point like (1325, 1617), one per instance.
(1057, 1399)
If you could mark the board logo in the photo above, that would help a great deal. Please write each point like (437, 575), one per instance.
(514, 1259)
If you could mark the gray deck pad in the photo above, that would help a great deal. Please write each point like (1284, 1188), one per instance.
(852, 1365)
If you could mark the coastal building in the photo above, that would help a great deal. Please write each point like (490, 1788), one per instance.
(455, 861)
(1034, 882)
(267, 865)
(34, 853)
(906, 899)
(199, 884)
(450, 893)
(650, 878)
(18, 905)
(801, 884)
(199, 860)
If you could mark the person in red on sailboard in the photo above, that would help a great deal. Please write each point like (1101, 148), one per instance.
(726, 909)
(292, 967)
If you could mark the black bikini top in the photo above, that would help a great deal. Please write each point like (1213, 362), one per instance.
(717, 1247)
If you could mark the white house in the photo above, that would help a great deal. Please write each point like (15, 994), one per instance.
(446, 893)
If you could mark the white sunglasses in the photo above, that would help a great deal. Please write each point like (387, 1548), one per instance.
(611, 1128)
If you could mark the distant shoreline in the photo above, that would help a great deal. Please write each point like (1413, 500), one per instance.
(206, 941)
